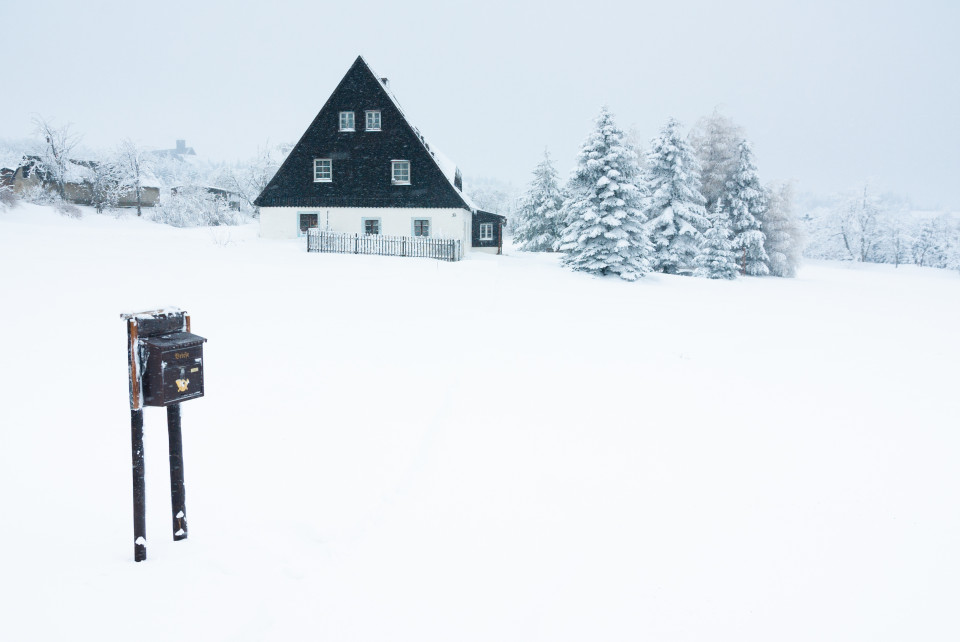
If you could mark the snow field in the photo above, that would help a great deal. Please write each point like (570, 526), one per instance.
(492, 449)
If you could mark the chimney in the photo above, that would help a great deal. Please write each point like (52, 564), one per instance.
(181, 147)
(385, 81)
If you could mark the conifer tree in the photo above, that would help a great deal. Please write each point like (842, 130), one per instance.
(675, 205)
(784, 239)
(716, 259)
(746, 204)
(538, 226)
(603, 212)
(714, 141)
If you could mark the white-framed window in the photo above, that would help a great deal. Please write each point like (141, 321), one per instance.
(322, 170)
(486, 231)
(421, 227)
(347, 123)
(373, 120)
(371, 226)
(307, 220)
(400, 172)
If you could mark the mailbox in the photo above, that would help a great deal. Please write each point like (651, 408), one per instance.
(173, 368)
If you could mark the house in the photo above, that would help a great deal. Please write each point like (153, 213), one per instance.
(229, 199)
(180, 150)
(362, 168)
(77, 185)
(6, 176)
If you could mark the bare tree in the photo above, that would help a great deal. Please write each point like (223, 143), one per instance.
(106, 185)
(859, 226)
(250, 179)
(928, 247)
(59, 144)
(897, 239)
(133, 166)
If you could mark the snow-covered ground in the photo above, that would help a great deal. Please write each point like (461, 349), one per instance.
(496, 449)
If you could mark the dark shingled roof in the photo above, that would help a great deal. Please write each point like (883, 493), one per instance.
(361, 159)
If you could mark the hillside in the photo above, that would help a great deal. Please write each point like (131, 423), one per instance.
(495, 449)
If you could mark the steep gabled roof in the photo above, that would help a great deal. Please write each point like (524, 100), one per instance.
(361, 159)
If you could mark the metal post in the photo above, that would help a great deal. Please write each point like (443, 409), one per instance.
(177, 491)
(139, 492)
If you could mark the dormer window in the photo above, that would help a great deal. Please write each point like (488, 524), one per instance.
(322, 170)
(373, 121)
(400, 172)
(347, 123)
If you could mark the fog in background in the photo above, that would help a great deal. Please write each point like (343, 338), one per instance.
(831, 93)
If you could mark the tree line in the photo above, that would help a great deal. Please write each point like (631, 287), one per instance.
(689, 205)
(191, 192)
(694, 205)
(870, 227)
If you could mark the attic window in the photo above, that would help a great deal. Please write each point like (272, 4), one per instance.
(322, 170)
(373, 121)
(347, 123)
(400, 172)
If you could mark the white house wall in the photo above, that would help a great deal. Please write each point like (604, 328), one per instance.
(284, 222)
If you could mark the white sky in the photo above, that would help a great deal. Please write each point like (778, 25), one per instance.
(831, 93)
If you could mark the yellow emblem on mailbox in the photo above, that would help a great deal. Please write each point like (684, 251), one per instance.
(182, 384)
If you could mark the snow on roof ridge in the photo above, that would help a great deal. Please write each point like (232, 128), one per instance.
(447, 167)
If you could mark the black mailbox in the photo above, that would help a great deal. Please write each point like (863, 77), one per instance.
(173, 368)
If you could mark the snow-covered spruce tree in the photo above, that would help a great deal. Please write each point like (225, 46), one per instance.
(675, 205)
(603, 211)
(717, 259)
(538, 218)
(784, 238)
(714, 141)
(746, 205)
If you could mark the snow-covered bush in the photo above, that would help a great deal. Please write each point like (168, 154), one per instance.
(7, 198)
(603, 211)
(67, 209)
(195, 207)
(38, 195)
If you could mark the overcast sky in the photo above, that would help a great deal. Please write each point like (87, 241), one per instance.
(830, 93)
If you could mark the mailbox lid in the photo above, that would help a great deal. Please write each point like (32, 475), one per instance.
(174, 340)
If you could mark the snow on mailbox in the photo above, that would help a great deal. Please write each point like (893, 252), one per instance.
(173, 368)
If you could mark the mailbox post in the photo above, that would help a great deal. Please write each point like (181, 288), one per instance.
(166, 368)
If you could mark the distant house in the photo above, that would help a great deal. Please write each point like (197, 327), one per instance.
(77, 185)
(230, 199)
(6, 176)
(180, 150)
(362, 168)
